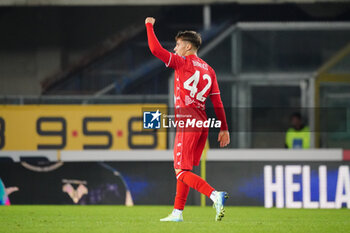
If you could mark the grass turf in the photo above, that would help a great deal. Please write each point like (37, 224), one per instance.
(74, 219)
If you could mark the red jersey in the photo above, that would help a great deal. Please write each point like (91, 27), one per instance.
(194, 80)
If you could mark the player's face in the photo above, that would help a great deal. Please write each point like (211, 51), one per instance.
(182, 47)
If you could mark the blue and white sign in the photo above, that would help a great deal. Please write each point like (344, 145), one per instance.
(151, 120)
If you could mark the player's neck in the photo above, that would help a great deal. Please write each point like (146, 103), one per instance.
(188, 53)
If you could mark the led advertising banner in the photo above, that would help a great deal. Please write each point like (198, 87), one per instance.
(85, 183)
(77, 127)
(284, 184)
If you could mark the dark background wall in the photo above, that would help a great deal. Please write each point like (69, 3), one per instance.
(36, 42)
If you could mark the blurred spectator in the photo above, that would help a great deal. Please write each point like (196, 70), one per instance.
(298, 136)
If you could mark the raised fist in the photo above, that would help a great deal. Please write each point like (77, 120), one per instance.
(150, 20)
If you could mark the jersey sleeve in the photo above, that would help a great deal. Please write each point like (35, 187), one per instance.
(170, 60)
(176, 61)
(219, 110)
(217, 103)
(215, 86)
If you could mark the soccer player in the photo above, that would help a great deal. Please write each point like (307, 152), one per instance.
(195, 80)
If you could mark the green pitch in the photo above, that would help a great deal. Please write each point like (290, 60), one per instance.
(85, 219)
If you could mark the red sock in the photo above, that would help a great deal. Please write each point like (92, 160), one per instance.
(181, 195)
(195, 182)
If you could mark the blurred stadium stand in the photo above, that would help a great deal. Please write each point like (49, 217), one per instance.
(135, 72)
(151, 2)
(75, 75)
(80, 54)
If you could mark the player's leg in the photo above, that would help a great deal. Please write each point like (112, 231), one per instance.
(193, 146)
(185, 143)
(181, 188)
(196, 182)
(179, 204)
(182, 191)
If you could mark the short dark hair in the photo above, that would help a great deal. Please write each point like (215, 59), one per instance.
(191, 36)
(296, 115)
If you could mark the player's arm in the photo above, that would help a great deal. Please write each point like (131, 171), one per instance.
(224, 135)
(153, 43)
(170, 59)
